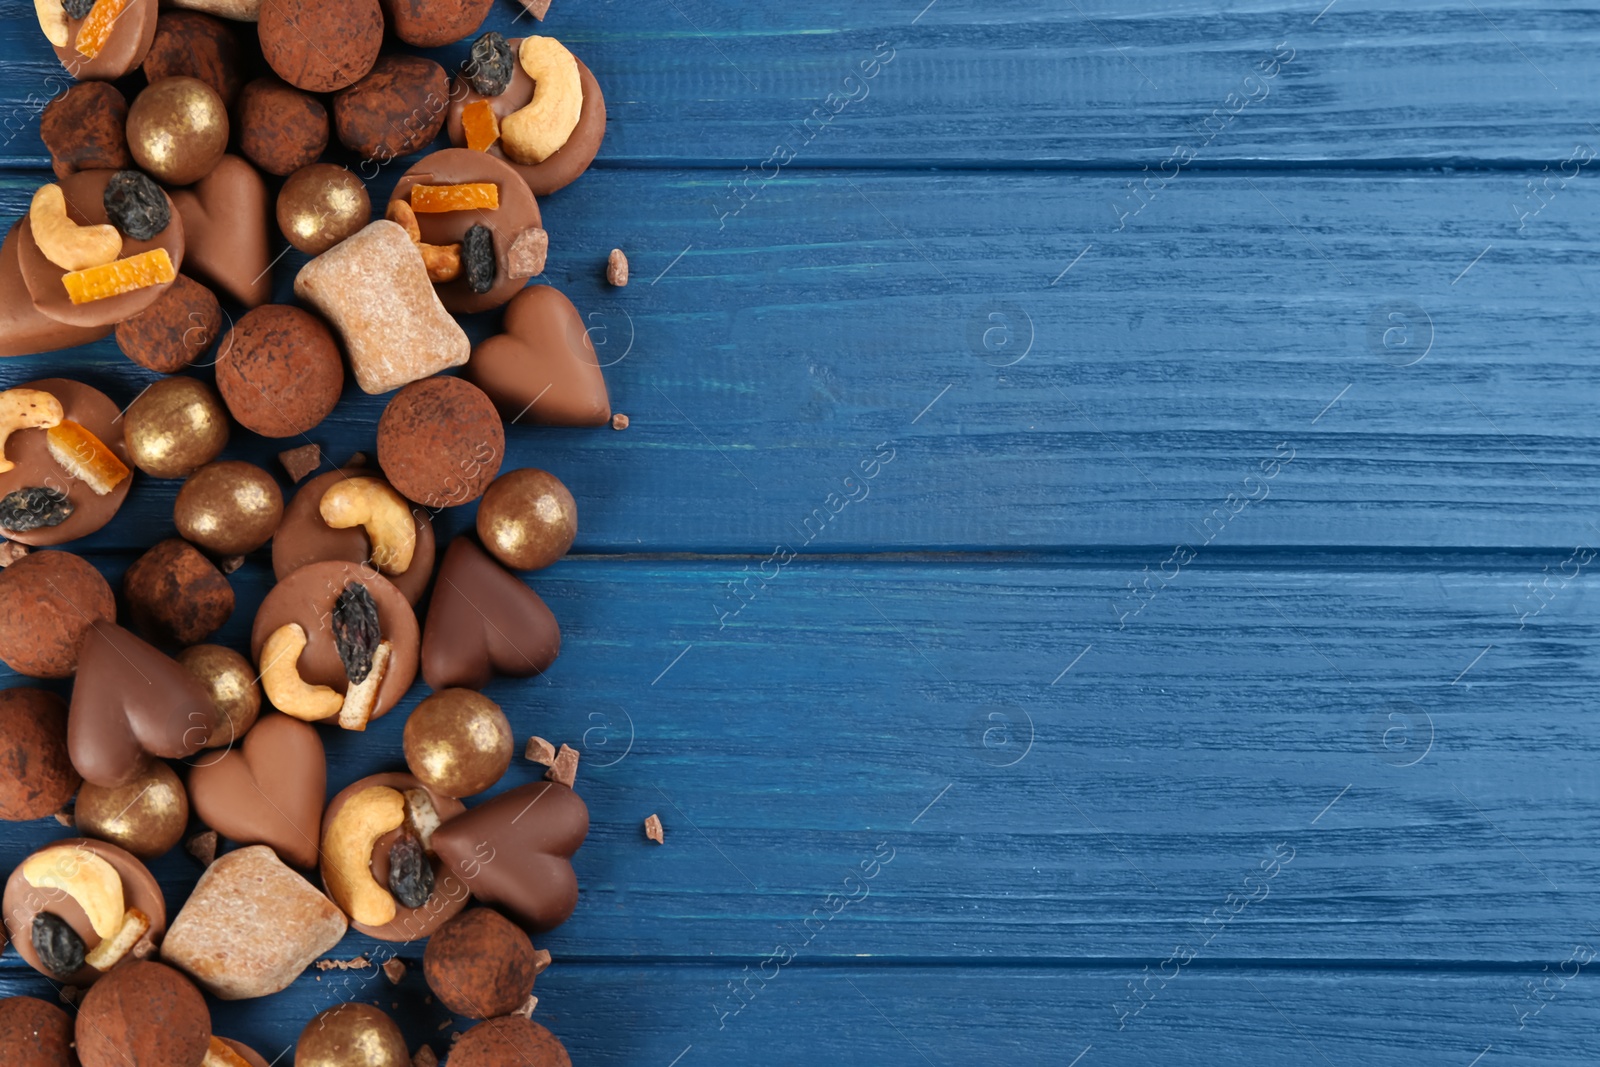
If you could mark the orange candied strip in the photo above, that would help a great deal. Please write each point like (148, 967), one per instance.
(97, 27)
(120, 276)
(478, 122)
(469, 196)
(83, 455)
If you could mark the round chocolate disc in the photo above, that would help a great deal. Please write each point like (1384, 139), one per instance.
(303, 538)
(36, 468)
(132, 33)
(24, 329)
(565, 164)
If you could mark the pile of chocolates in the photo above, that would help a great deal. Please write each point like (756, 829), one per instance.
(161, 215)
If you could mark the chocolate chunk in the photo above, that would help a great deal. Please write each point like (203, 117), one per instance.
(653, 830)
(299, 462)
(484, 621)
(528, 252)
(355, 631)
(539, 751)
(565, 767)
(34, 508)
(488, 69)
(617, 268)
(203, 847)
(394, 969)
(136, 205)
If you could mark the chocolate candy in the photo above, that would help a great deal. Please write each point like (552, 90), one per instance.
(279, 371)
(517, 213)
(83, 129)
(178, 129)
(129, 703)
(320, 205)
(36, 774)
(542, 369)
(36, 467)
(175, 595)
(174, 331)
(228, 507)
(267, 789)
(509, 1041)
(430, 23)
(515, 851)
(351, 1035)
(35, 1034)
(251, 1057)
(48, 600)
(225, 222)
(480, 965)
(483, 621)
(231, 682)
(458, 742)
(440, 442)
(304, 537)
(98, 872)
(175, 427)
(569, 161)
(24, 330)
(146, 816)
(397, 108)
(190, 44)
(527, 519)
(281, 129)
(321, 47)
(130, 39)
(143, 1015)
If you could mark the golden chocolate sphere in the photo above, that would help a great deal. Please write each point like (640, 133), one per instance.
(231, 681)
(147, 816)
(320, 205)
(177, 129)
(229, 507)
(351, 1035)
(458, 742)
(527, 519)
(174, 427)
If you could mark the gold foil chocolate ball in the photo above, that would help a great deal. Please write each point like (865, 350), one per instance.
(351, 1035)
(177, 129)
(458, 742)
(174, 427)
(231, 681)
(147, 816)
(320, 205)
(229, 507)
(527, 519)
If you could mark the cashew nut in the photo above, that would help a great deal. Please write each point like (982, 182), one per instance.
(347, 853)
(533, 133)
(280, 677)
(52, 20)
(373, 504)
(84, 876)
(25, 409)
(65, 243)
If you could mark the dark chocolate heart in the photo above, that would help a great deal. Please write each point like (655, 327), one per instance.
(483, 621)
(129, 703)
(225, 231)
(267, 789)
(542, 370)
(515, 851)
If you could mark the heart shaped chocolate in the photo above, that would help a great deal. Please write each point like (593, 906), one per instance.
(225, 231)
(516, 851)
(483, 621)
(542, 370)
(130, 703)
(266, 790)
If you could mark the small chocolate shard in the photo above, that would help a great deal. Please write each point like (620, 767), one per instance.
(358, 963)
(71, 995)
(300, 462)
(653, 830)
(526, 1011)
(617, 268)
(357, 460)
(394, 970)
(619, 421)
(541, 960)
(65, 817)
(526, 256)
(229, 564)
(425, 1057)
(540, 751)
(537, 8)
(10, 552)
(565, 768)
(203, 847)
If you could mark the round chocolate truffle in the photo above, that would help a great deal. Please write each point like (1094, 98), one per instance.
(281, 129)
(195, 45)
(85, 129)
(45, 499)
(36, 774)
(174, 427)
(229, 507)
(231, 682)
(527, 519)
(279, 371)
(178, 129)
(147, 816)
(304, 537)
(175, 595)
(47, 602)
(480, 964)
(351, 1035)
(397, 108)
(440, 442)
(458, 742)
(431, 23)
(143, 1014)
(123, 49)
(174, 331)
(509, 1041)
(320, 205)
(35, 1034)
(321, 47)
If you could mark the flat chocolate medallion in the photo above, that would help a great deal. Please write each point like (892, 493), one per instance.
(266, 789)
(567, 162)
(36, 468)
(23, 329)
(303, 538)
(132, 34)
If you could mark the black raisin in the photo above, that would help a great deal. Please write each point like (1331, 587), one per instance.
(489, 68)
(136, 205)
(59, 947)
(355, 631)
(77, 9)
(34, 508)
(410, 875)
(477, 258)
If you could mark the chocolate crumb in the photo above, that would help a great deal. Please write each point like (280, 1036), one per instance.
(358, 459)
(394, 970)
(445, 1025)
(537, 8)
(359, 963)
(526, 256)
(565, 768)
(617, 268)
(526, 1011)
(203, 847)
(299, 462)
(71, 995)
(539, 751)
(653, 830)
(64, 816)
(541, 960)
(619, 421)
(229, 564)
(10, 552)
(425, 1057)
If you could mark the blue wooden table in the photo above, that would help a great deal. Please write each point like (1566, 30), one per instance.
(1100, 570)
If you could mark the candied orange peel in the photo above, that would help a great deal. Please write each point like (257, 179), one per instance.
(98, 26)
(468, 196)
(84, 456)
(479, 123)
(121, 276)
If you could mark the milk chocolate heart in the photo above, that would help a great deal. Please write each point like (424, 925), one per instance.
(542, 370)
(483, 621)
(129, 703)
(516, 850)
(225, 230)
(266, 790)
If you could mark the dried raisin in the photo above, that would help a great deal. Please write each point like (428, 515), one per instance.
(60, 948)
(490, 66)
(77, 9)
(477, 258)
(136, 205)
(355, 631)
(34, 508)
(410, 875)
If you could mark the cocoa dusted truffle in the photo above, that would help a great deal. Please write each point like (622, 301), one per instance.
(509, 1041)
(430, 23)
(174, 331)
(143, 1014)
(480, 964)
(441, 442)
(36, 775)
(279, 371)
(47, 602)
(35, 1034)
(321, 47)
(281, 128)
(176, 596)
(397, 108)
(194, 45)
(83, 129)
